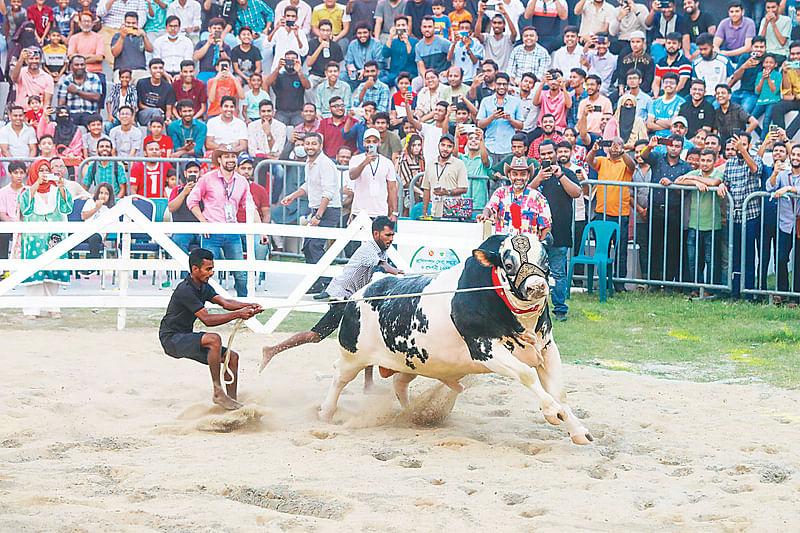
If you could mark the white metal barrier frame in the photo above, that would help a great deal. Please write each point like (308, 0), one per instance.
(134, 221)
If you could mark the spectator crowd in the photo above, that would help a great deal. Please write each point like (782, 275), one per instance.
(436, 108)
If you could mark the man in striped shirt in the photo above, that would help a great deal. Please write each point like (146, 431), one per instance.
(357, 273)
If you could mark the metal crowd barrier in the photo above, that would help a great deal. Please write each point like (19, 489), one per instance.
(671, 248)
(769, 245)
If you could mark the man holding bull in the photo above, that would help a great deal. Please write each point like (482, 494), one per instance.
(357, 274)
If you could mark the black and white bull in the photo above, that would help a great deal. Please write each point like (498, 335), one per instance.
(448, 336)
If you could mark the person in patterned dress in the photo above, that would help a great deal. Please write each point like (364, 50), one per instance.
(44, 200)
(533, 207)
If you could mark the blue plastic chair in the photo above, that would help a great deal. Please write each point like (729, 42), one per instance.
(416, 211)
(161, 208)
(604, 233)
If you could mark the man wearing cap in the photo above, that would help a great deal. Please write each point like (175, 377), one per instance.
(223, 192)
(31, 79)
(637, 59)
(374, 180)
(322, 186)
(445, 177)
(679, 127)
(177, 206)
(534, 210)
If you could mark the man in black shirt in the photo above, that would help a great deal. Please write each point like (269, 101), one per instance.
(181, 213)
(693, 24)
(321, 52)
(156, 96)
(188, 304)
(697, 110)
(559, 185)
(289, 84)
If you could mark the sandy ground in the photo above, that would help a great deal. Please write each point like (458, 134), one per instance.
(100, 431)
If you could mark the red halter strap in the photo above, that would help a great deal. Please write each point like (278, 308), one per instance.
(501, 293)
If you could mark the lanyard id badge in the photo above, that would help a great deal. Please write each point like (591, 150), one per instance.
(230, 212)
(230, 207)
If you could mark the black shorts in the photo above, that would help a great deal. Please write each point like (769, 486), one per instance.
(186, 346)
(328, 323)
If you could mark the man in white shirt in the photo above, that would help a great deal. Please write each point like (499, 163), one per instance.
(173, 47)
(374, 180)
(287, 36)
(266, 137)
(324, 199)
(17, 139)
(303, 13)
(189, 13)
(226, 128)
(568, 56)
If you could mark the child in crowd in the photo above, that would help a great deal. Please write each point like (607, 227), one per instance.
(64, 14)
(398, 107)
(54, 55)
(441, 22)
(157, 135)
(90, 141)
(768, 89)
(246, 59)
(459, 13)
(34, 114)
(252, 98)
(172, 182)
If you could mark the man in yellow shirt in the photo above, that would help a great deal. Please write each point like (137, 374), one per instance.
(614, 202)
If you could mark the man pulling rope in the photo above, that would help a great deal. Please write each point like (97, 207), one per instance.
(188, 304)
(357, 274)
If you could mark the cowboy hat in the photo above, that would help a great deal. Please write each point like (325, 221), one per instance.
(222, 149)
(518, 163)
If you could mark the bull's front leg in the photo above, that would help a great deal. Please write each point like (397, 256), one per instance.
(346, 368)
(501, 361)
(550, 375)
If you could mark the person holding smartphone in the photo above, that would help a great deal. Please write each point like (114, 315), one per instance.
(287, 36)
(374, 180)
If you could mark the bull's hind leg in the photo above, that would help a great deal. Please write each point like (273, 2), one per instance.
(552, 380)
(346, 368)
(504, 363)
(400, 382)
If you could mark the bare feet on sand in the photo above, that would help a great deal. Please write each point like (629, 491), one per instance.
(225, 401)
(267, 353)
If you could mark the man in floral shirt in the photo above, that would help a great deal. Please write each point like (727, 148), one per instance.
(534, 210)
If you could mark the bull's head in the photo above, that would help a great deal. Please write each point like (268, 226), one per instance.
(521, 264)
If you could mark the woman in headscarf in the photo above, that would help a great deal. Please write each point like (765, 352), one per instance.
(66, 135)
(625, 123)
(44, 200)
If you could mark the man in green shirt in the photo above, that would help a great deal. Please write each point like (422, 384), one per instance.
(476, 159)
(112, 172)
(391, 146)
(519, 148)
(705, 220)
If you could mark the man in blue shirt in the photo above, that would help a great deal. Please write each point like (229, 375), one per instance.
(431, 51)
(372, 89)
(361, 51)
(399, 51)
(188, 134)
(665, 107)
(500, 116)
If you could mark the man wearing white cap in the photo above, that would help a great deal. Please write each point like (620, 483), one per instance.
(637, 59)
(679, 127)
(374, 180)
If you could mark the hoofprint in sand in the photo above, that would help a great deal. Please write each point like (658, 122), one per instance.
(100, 431)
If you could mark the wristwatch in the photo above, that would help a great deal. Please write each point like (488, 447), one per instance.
(318, 217)
(449, 192)
(395, 213)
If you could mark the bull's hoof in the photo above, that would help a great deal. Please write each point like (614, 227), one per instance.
(554, 417)
(582, 438)
(324, 415)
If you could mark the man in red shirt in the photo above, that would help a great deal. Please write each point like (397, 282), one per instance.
(187, 87)
(331, 129)
(157, 135)
(42, 18)
(148, 179)
(260, 199)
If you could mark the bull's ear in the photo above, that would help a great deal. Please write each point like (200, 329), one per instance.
(486, 258)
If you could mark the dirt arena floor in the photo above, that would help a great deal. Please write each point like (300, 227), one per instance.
(100, 431)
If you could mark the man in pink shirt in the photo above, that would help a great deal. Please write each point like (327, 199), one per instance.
(88, 44)
(223, 192)
(31, 79)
